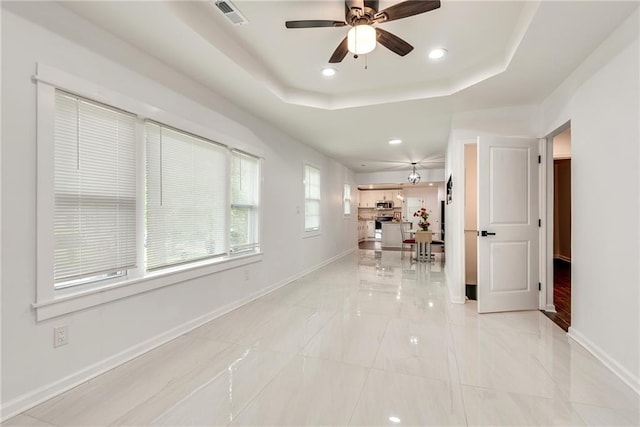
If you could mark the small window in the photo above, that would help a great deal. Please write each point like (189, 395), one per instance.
(311, 198)
(346, 198)
(245, 185)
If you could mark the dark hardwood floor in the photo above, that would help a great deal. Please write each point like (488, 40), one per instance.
(561, 294)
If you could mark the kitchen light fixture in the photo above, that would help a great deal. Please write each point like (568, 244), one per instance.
(361, 39)
(437, 53)
(395, 141)
(414, 177)
(329, 71)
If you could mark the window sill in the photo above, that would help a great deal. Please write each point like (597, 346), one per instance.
(312, 233)
(66, 302)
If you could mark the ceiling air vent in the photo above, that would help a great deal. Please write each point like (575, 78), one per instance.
(231, 12)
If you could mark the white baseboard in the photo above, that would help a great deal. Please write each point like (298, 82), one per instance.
(46, 392)
(551, 308)
(613, 365)
(458, 300)
(562, 257)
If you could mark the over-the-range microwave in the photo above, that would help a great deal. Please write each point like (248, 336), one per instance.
(384, 204)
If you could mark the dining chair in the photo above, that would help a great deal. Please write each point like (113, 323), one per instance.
(406, 237)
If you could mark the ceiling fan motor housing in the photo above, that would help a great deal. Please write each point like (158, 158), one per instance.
(355, 15)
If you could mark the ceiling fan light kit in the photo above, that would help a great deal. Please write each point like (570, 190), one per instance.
(361, 15)
(361, 39)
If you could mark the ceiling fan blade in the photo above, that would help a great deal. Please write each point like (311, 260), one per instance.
(340, 52)
(405, 9)
(314, 23)
(393, 42)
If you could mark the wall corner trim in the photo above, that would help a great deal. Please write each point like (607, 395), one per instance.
(608, 361)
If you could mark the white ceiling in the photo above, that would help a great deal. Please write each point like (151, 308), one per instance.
(502, 53)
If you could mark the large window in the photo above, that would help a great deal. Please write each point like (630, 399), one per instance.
(346, 200)
(245, 184)
(311, 198)
(131, 197)
(95, 191)
(186, 197)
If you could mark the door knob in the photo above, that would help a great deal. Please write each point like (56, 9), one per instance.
(485, 233)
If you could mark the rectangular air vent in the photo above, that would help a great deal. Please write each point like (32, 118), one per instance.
(231, 12)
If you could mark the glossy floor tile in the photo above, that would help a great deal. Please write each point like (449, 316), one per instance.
(308, 391)
(370, 339)
(397, 399)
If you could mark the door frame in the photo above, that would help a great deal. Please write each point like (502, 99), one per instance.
(546, 212)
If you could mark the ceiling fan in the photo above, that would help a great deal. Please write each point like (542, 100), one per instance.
(362, 37)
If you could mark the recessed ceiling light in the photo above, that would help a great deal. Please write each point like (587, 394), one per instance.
(329, 71)
(394, 419)
(395, 141)
(437, 53)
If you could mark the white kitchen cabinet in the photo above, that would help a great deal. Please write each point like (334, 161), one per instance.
(367, 199)
(362, 230)
(371, 230)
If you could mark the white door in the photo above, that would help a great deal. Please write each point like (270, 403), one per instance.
(508, 223)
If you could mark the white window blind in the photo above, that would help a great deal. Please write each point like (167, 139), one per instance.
(95, 191)
(311, 198)
(245, 185)
(186, 197)
(347, 199)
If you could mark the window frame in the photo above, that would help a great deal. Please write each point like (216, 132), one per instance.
(188, 139)
(51, 302)
(311, 232)
(116, 272)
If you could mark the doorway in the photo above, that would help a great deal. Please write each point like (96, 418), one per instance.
(561, 265)
(471, 220)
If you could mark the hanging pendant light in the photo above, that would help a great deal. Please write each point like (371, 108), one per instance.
(414, 176)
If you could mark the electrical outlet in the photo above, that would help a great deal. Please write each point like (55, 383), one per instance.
(60, 336)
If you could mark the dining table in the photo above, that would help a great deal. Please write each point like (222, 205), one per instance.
(423, 241)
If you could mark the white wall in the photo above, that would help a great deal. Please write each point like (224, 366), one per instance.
(107, 334)
(601, 99)
(605, 141)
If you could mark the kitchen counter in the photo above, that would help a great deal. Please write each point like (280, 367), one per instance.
(391, 236)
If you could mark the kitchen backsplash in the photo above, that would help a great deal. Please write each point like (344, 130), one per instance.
(368, 214)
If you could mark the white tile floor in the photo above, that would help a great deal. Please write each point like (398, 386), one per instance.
(368, 340)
